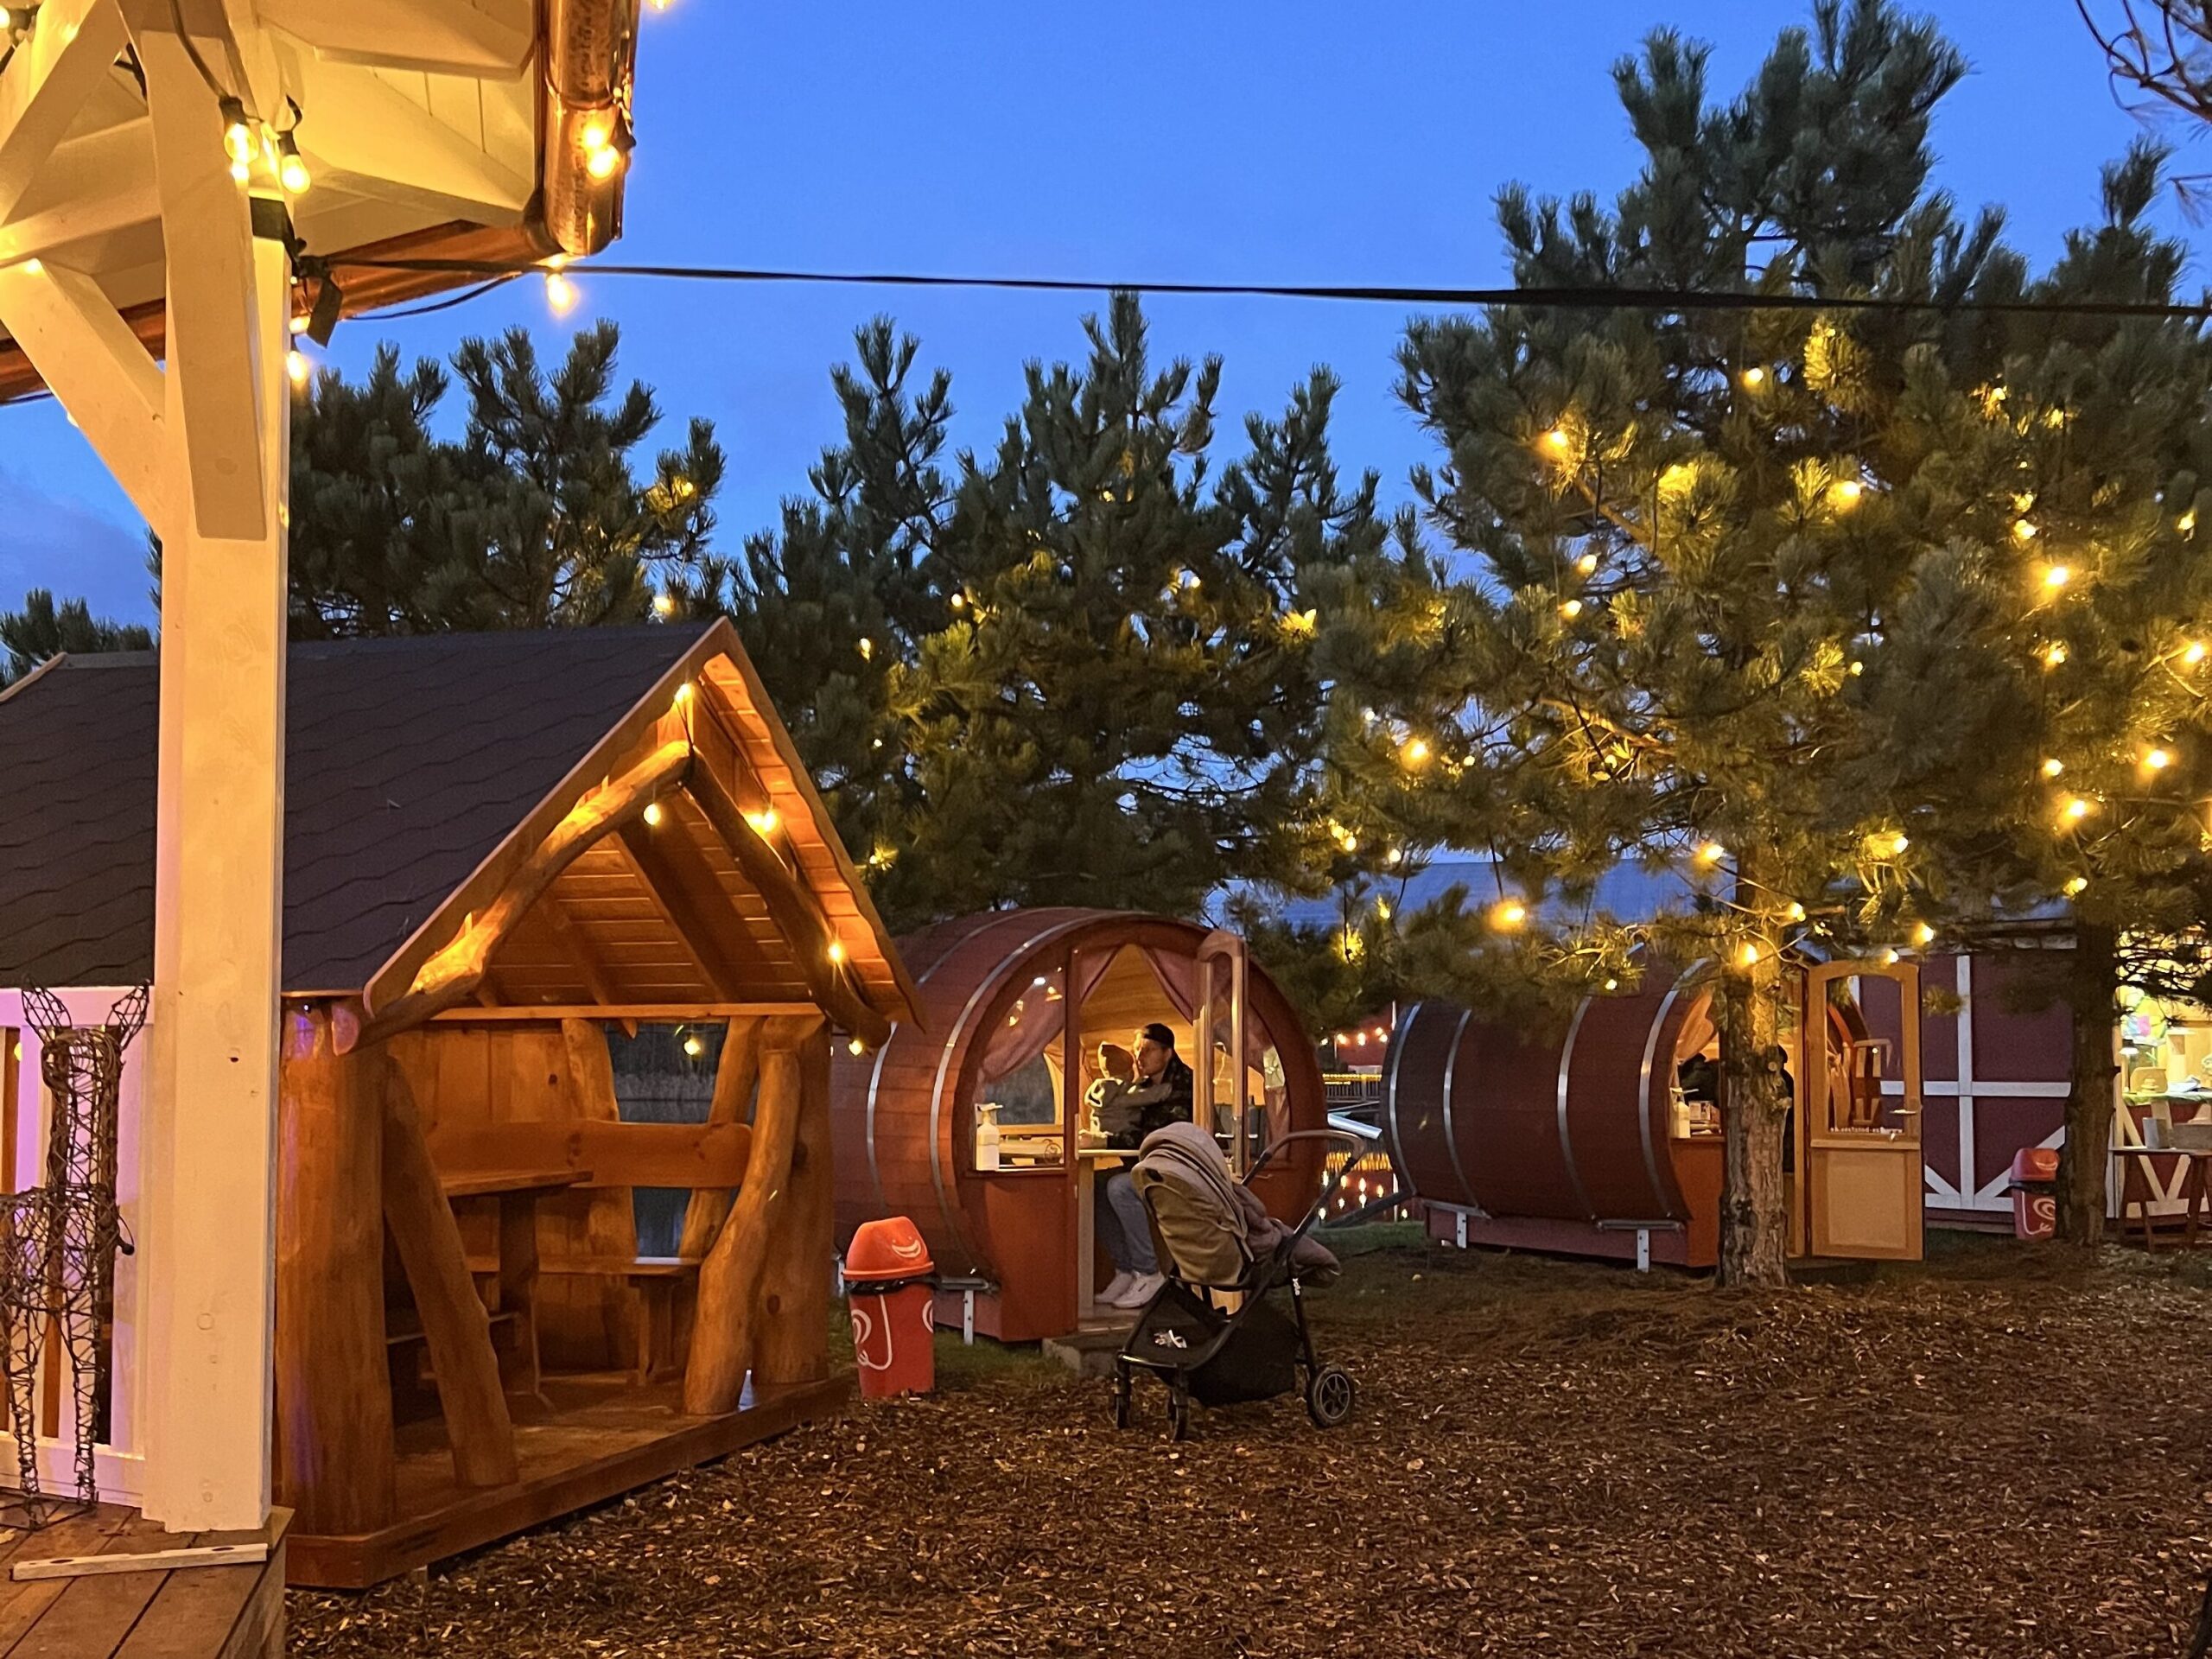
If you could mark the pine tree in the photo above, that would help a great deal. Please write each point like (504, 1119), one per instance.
(533, 518)
(43, 629)
(1079, 669)
(1712, 554)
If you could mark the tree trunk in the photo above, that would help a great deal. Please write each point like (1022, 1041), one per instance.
(1754, 1193)
(2091, 994)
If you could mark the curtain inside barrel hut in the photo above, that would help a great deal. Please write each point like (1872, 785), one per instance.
(1267, 1088)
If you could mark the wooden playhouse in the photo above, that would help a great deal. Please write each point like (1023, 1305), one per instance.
(499, 849)
(970, 1121)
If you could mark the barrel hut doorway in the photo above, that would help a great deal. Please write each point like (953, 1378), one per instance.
(1604, 1139)
(972, 1122)
(506, 854)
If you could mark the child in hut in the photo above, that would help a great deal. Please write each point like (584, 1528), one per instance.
(1117, 1070)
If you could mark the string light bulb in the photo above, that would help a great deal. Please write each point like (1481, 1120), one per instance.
(2193, 654)
(2054, 655)
(2075, 810)
(1847, 492)
(297, 366)
(237, 136)
(2057, 576)
(1749, 956)
(1754, 377)
(693, 1046)
(1890, 956)
(1795, 913)
(1898, 843)
(1587, 564)
(836, 950)
(653, 815)
(1923, 934)
(291, 168)
(764, 822)
(560, 293)
(1507, 914)
(2156, 759)
(867, 649)
(2187, 522)
(2023, 530)
(2053, 766)
(1415, 752)
(1612, 984)
(2076, 887)
(855, 1048)
(1571, 609)
(1712, 852)
(1557, 440)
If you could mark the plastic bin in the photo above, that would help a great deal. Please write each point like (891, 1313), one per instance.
(891, 1293)
(2035, 1192)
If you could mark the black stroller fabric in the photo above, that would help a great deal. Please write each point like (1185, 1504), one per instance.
(1261, 1363)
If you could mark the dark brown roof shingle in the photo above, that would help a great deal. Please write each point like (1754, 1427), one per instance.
(407, 762)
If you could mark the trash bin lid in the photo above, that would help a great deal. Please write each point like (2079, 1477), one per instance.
(2035, 1164)
(890, 1249)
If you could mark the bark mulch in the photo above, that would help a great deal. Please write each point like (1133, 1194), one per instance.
(2003, 1451)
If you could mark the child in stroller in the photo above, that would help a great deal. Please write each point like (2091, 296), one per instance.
(1213, 1333)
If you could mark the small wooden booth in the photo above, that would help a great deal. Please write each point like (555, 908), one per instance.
(971, 1123)
(1589, 1143)
(501, 850)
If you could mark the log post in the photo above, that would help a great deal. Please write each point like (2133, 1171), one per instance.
(724, 1329)
(610, 1217)
(795, 1284)
(334, 1389)
(454, 1325)
(735, 1076)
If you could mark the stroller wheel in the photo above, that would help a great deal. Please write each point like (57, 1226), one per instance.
(1178, 1414)
(1329, 1395)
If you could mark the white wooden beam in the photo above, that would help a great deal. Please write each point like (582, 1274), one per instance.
(211, 334)
(368, 139)
(111, 388)
(91, 189)
(492, 38)
(71, 50)
(208, 1157)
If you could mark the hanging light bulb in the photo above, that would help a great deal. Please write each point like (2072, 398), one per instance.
(297, 366)
(664, 604)
(2075, 810)
(867, 649)
(2194, 652)
(2054, 655)
(1923, 934)
(237, 136)
(764, 822)
(1754, 377)
(2076, 887)
(856, 1048)
(2022, 531)
(1571, 609)
(1587, 564)
(292, 169)
(1898, 844)
(1712, 852)
(693, 1046)
(1415, 752)
(1508, 915)
(1749, 956)
(2057, 576)
(1890, 956)
(1795, 913)
(2156, 759)
(1557, 440)
(1846, 492)
(654, 814)
(836, 950)
(560, 293)
(1612, 984)
(2053, 766)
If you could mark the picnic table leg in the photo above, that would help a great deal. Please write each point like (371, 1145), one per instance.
(518, 1287)
(2192, 1188)
(2135, 1188)
(1086, 1240)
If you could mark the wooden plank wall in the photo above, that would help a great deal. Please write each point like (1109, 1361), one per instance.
(515, 1072)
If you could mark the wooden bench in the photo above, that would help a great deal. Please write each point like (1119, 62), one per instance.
(655, 1282)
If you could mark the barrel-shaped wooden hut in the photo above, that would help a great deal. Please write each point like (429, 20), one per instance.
(972, 1121)
(1604, 1138)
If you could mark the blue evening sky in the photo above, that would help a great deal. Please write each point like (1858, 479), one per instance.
(1253, 140)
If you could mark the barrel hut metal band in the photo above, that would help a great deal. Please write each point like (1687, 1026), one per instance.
(1398, 1041)
(989, 982)
(1643, 1082)
(1566, 1140)
(1450, 1133)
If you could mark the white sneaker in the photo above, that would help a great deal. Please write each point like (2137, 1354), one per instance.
(1116, 1286)
(1143, 1289)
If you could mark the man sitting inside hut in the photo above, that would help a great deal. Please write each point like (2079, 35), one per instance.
(1163, 1095)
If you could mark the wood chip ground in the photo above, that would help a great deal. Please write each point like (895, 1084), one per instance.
(2001, 1453)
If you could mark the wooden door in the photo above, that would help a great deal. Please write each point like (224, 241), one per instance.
(1860, 1180)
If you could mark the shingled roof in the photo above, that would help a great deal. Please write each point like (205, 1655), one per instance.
(407, 762)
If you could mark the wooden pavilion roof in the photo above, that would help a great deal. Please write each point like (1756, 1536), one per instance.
(430, 129)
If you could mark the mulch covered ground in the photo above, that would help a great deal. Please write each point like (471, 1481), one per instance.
(1997, 1453)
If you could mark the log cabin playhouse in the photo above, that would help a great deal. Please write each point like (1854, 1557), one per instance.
(497, 848)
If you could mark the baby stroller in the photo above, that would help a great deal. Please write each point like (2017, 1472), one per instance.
(1214, 1333)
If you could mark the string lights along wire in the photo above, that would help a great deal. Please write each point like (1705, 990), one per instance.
(1575, 299)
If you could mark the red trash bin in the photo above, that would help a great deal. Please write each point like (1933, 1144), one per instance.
(892, 1296)
(2035, 1192)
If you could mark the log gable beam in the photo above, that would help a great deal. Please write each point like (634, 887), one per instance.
(450, 975)
(796, 912)
(693, 904)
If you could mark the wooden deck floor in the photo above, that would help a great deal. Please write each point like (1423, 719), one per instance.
(604, 1436)
(204, 1612)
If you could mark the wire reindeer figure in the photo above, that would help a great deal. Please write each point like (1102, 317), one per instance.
(58, 1241)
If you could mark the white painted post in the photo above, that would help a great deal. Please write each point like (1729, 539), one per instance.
(1459, 1223)
(208, 1247)
(967, 1316)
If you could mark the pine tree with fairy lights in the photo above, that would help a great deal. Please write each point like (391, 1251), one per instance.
(1718, 580)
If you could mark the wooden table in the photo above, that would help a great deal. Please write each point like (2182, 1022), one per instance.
(1089, 1161)
(2135, 1187)
(514, 1287)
